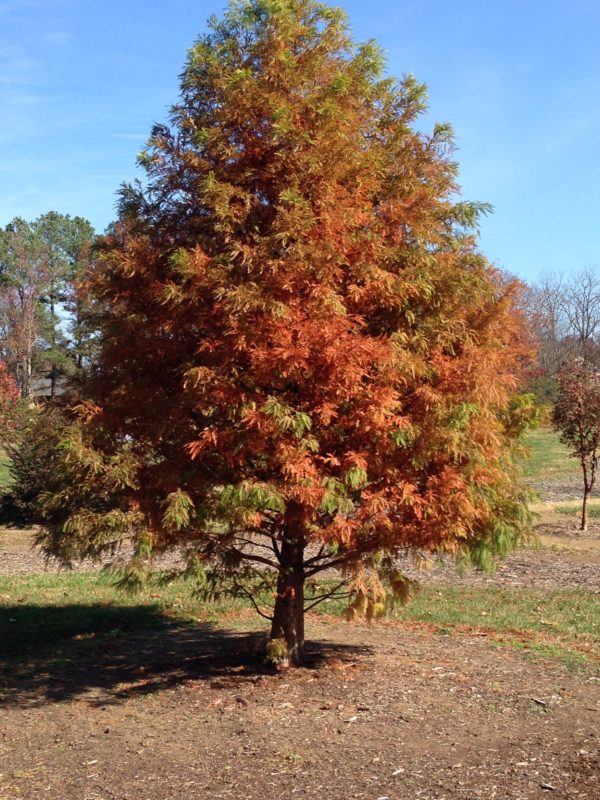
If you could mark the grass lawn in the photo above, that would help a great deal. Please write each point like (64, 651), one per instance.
(62, 616)
(562, 623)
(574, 509)
(4, 471)
(548, 457)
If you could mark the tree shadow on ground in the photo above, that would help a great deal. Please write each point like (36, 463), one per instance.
(51, 654)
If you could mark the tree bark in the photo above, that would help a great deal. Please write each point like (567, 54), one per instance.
(587, 487)
(288, 615)
(25, 376)
(53, 343)
(584, 511)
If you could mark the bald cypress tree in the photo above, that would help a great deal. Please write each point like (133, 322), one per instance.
(306, 362)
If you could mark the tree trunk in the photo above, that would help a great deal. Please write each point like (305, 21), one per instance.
(287, 627)
(25, 376)
(584, 510)
(53, 344)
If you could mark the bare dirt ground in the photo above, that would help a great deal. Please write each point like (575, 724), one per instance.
(385, 712)
(390, 712)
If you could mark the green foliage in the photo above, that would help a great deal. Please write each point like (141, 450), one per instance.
(276, 651)
(379, 590)
(178, 511)
(461, 415)
(523, 414)
(81, 503)
(403, 438)
(546, 457)
(355, 478)
(509, 526)
(335, 499)
(35, 463)
(250, 496)
(298, 422)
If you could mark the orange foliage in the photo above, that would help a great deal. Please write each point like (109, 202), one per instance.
(296, 303)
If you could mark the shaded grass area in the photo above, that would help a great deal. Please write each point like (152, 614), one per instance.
(548, 457)
(40, 610)
(66, 635)
(62, 635)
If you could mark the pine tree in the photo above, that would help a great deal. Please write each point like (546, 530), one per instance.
(65, 244)
(43, 330)
(306, 363)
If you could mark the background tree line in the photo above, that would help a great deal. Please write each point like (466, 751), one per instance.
(44, 336)
(564, 317)
(46, 340)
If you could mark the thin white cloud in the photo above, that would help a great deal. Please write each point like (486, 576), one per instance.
(17, 68)
(56, 38)
(18, 6)
(19, 94)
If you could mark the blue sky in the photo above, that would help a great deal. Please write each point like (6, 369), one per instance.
(82, 82)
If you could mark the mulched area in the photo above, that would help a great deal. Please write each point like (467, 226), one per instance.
(552, 490)
(385, 711)
(531, 568)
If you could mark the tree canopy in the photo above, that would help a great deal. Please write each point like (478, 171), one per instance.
(306, 362)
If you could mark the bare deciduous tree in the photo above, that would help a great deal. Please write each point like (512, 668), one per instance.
(564, 315)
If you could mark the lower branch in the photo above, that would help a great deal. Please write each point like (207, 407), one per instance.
(314, 601)
(329, 565)
(247, 593)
